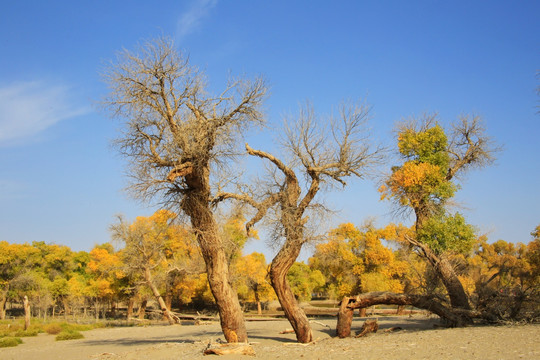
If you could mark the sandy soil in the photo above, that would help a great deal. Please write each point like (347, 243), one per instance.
(419, 339)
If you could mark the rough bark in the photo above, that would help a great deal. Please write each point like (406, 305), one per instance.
(370, 326)
(348, 304)
(3, 301)
(142, 309)
(131, 304)
(445, 271)
(26, 304)
(197, 206)
(278, 276)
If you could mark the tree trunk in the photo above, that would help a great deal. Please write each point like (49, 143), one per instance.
(142, 309)
(400, 310)
(196, 205)
(166, 312)
(257, 300)
(278, 277)
(131, 304)
(345, 317)
(26, 304)
(96, 309)
(443, 268)
(456, 292)
(348, 304)
(3, 301)
(65, 302)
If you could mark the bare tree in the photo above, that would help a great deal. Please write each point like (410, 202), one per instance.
(324, 155)
(174, 135)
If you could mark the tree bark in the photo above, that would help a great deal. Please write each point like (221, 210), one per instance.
(26, 304)
(166, 312)
(445, 271)
(131, 304)
(65, 302)
(3, 301)
(278, 277)
(196, 204)
(345, 317)
(348, 304)
(443, 268)
(142, 309)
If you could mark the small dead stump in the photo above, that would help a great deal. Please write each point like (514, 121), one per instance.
(370, 326)
(229, 348)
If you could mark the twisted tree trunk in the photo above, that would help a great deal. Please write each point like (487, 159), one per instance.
(349, 304)
(196, 205)
(278, 276)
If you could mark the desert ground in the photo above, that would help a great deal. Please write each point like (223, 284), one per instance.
(420, 338)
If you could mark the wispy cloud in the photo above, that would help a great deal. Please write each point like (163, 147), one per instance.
(28, 108)
(191, 19)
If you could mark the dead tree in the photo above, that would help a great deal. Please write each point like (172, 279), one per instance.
(453, 317)
(174, 135)
(324, 155)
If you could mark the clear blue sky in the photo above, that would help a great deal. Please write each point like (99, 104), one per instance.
(61, 182)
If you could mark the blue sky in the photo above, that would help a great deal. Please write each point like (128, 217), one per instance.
(61, 182)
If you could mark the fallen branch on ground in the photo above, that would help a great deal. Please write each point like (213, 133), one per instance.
(229, 348)
(370, 326)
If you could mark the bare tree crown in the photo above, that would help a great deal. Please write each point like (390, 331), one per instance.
(173, 126)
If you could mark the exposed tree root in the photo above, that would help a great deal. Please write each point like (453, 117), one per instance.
(370, 326)
(229, 348)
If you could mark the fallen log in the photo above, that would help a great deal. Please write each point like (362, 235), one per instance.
(453, 317)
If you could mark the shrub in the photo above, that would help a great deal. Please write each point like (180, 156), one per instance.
(25, 333)
(10, 341)
(53, 329)
(69, 335)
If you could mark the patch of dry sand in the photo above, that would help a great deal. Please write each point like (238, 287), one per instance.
(418, 340)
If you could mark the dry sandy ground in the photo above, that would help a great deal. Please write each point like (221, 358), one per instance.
(419, 339)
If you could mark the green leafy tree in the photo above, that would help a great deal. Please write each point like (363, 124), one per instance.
(425, 182)
(304, 280)
(250, 273)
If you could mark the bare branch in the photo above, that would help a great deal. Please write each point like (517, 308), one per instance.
(469, 146)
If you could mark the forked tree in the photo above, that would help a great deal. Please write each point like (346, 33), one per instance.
(323, 152)
(175, 133)
(425, 183)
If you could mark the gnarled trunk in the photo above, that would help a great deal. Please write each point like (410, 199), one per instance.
(196, 205)
(142, 309)
(443, 268)
(348, 304)
(278, 276)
